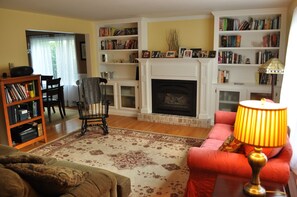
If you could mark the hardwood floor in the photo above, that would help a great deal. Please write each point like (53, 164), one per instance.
(57, 130)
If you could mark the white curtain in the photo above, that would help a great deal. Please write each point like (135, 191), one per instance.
(288, 93)
(41, 55)
(56, 56)
(67, 66)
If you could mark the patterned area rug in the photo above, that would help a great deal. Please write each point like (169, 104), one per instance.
(155, 163)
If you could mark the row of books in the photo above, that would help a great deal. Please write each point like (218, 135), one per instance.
(18, 92)
(266, 79)
(271, 40)
(264, 56)
(223, 76)
(112, 31)
(231, 24)
(229, 57)
(230, 41)
(22, 112)
(119, 44)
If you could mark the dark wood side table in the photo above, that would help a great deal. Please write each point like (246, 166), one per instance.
(233, 187)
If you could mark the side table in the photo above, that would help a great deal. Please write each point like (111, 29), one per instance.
(233, 187)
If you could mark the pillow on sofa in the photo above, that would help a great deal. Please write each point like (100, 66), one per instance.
(60, 179)
(13, 185)
(20, 159)
(231, 144)
(269, 152)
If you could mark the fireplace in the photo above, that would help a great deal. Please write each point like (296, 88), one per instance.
(176, 97)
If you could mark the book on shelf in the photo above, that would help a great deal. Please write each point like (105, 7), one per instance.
(112, 31)
(229, 57)
(266, 79)
(230, 41)
(234, 24)
(119, 44)
(223, 76)
(264, 56)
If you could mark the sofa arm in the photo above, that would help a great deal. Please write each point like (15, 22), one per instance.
(203, 161)
(225, 117)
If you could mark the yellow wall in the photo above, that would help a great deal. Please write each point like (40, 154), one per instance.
(13, 38)
(195, 33)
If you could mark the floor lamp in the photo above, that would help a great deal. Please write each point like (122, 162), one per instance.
(273, 67)
(260, 124)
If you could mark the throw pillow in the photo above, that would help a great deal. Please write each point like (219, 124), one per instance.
(269, 152)
(50, 180)
(13, 185)
(231, 144)
(20, 159)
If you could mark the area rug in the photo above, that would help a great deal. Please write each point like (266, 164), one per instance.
(155, 163)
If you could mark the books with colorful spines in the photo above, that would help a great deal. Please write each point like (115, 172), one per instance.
(224, 42)
(7, 95)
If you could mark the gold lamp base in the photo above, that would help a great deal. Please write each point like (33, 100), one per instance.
(257, 161)
(254, 190)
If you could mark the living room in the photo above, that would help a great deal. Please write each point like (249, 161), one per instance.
(15, 22)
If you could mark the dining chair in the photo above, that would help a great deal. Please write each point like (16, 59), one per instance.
(52, 96)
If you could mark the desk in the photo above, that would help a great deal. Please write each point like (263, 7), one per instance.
(233, 187)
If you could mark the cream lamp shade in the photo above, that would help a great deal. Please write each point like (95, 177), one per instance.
(272, 66)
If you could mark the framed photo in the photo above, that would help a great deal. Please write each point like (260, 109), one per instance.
(156, 54)
(187, 54)
(83, 55)
(170, 54)
(212, 54)
(146, 54)
(203, 53)
(181, 52)
(196, 52)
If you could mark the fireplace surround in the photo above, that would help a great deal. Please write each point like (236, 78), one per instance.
(193, 69)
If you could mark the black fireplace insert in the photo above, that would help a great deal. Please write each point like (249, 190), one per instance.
(176, 97)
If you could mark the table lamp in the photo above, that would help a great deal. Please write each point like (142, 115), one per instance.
(260, 124)
(273, 67)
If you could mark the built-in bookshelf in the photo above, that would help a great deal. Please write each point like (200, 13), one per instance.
(22, 111)
(120, 43)
(244, 40)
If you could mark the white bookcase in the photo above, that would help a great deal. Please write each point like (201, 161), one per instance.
(238, 47)
(120, 42)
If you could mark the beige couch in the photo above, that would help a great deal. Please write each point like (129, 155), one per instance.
(19, 179)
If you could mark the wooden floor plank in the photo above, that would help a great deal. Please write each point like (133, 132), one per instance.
(57, 130)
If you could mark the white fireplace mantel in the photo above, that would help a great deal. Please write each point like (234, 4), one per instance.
(198, 69)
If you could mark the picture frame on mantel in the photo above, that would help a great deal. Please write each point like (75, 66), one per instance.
(187, 54)
(181, 51)
(170, 54)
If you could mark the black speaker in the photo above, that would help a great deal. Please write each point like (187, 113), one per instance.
(21, 71)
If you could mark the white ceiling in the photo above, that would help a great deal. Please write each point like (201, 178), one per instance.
(118, 9)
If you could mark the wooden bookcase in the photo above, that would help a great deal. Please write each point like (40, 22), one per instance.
(22, 110)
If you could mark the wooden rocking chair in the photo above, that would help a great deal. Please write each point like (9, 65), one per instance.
(92, 104)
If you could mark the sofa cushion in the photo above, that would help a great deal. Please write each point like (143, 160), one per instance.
(220, 131)
(231, 144)
(13, 185)
(269, 152)
(41, 176)
(212, 144)
(24, 158)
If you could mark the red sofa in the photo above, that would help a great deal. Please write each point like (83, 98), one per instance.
(206, 162)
